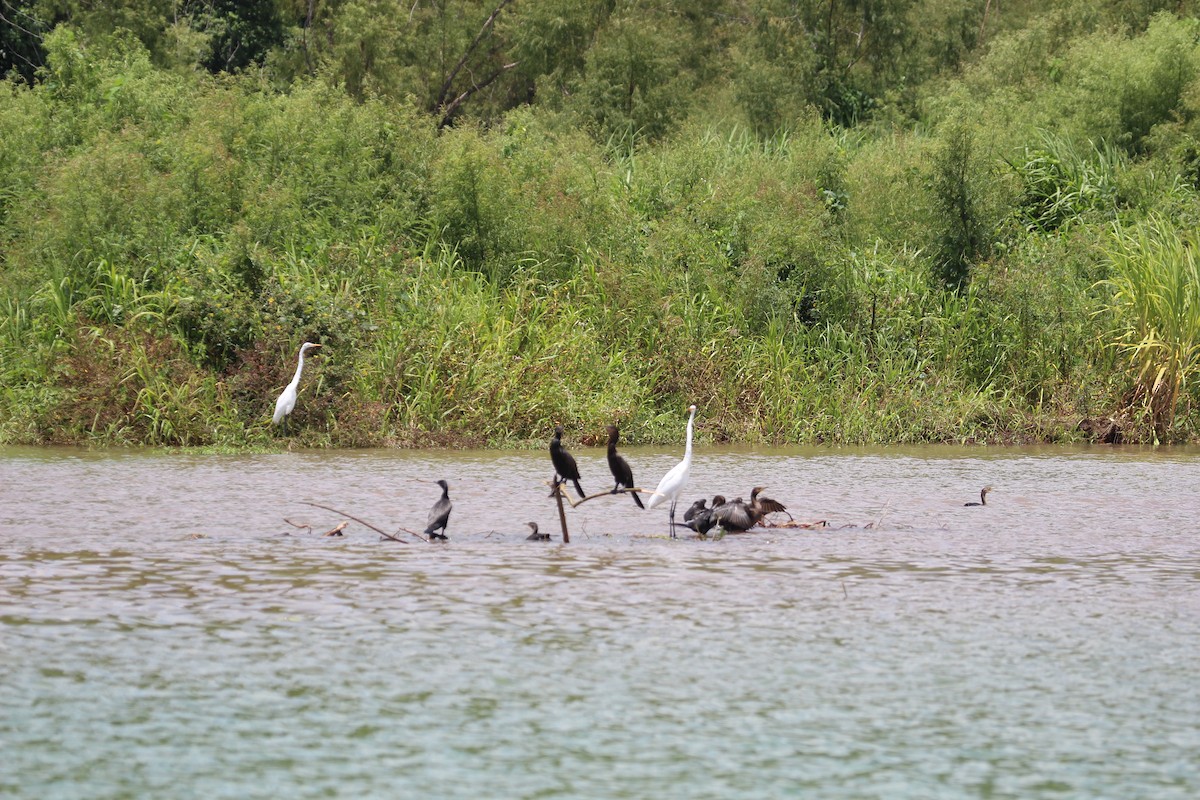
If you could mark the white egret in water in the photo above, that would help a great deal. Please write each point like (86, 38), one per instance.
(287, 400)
(673, 482)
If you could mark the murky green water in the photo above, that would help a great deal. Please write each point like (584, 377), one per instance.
(161, 636)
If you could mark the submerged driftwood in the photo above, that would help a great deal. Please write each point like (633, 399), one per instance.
(380, 531)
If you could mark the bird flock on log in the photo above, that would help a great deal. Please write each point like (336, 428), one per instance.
(726, 516)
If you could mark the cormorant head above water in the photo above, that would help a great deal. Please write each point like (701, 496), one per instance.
(983, 493)
(535, 536)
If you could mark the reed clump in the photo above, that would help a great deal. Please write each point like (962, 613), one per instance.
(1155, 309)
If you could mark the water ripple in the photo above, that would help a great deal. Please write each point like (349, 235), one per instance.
(181, 645)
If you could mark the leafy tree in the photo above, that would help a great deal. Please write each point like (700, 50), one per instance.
(961, 236)
(451, 56)
(148, 20)
(776, 74)
(21, 33)
(241, 32)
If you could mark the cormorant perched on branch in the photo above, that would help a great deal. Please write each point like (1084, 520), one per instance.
(564, 463)
(439, 515)
(622, 473)
(738, 515)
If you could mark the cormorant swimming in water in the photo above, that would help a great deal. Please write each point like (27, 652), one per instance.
(982, 497)
(535, 536)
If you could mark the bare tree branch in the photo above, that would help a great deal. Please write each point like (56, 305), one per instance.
(356, 519)
(450, 109)
(444, 93)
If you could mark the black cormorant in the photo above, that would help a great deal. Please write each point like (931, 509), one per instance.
(621, 471)
(535, 536)
(695, 508)
(439, 515)
(764, 505)
(564, 463)
(735, 515)
(703, 520)
(982, 497)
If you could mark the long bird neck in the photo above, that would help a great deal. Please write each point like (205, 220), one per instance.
(299, 369)
(687, 450)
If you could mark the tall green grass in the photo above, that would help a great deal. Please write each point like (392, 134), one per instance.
(1155, 305)
(162, 266)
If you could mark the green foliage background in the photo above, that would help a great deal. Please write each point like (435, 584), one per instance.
(885, 221)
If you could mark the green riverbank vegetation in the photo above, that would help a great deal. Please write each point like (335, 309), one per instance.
(872, 222)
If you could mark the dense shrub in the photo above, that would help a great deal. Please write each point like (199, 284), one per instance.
(695, 206)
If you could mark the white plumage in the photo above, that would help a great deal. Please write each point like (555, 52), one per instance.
(287, 400)
(672, 484)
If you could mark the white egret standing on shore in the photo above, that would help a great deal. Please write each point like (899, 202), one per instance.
(671, 485)
(287, 400)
